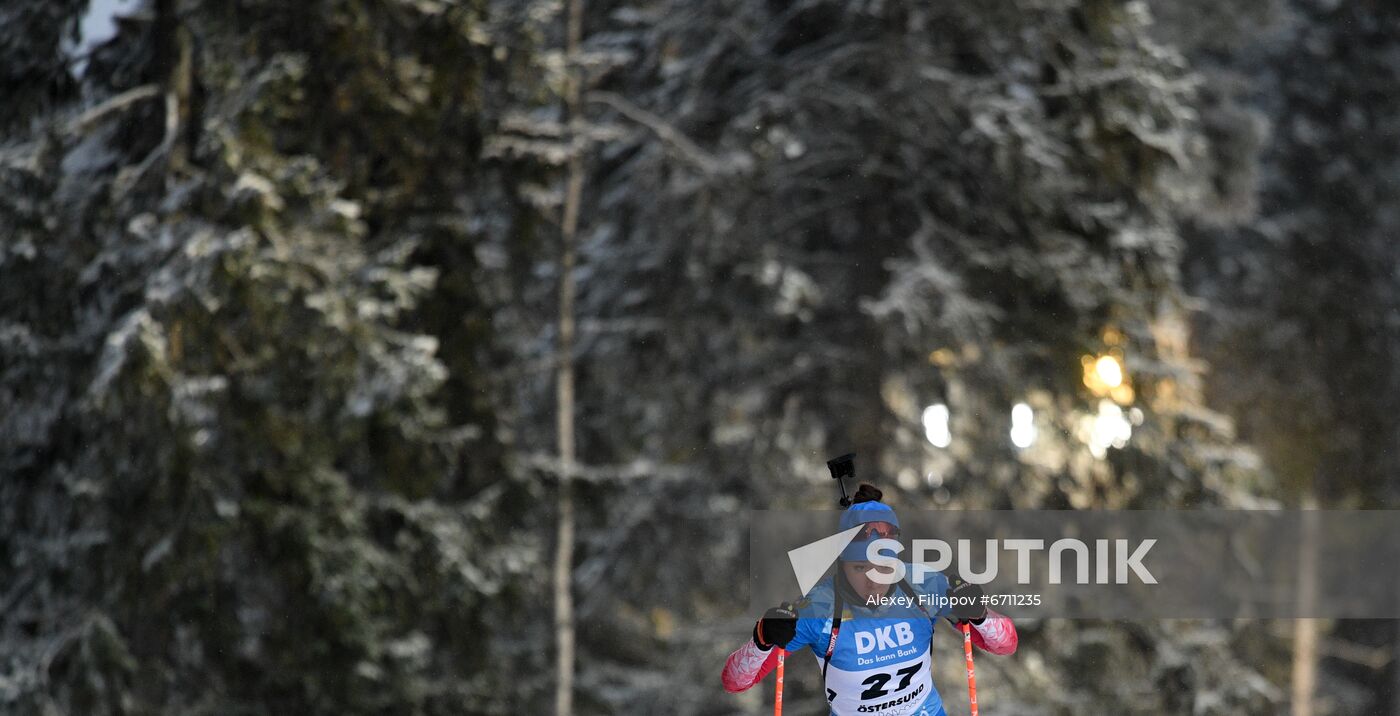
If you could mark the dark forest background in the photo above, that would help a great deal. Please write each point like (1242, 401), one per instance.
(280, 321)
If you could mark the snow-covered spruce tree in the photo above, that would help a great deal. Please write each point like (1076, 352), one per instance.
(249, 458)
(1303, 287)
(1306, 287)
(829, 215)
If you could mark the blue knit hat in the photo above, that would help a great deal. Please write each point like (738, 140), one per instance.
(859, 514)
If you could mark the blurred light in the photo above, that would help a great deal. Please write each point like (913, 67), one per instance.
(936, 425)
(1022, 425)
(908, 479)
(942, 357)
(1135, 416)
(1109, 428)
(1105, 375)
(1110, 372)
(1123, 394)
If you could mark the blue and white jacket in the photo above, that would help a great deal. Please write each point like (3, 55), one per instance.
(880, 663)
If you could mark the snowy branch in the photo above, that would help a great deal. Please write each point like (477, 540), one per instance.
(688, 149)
(115, 104)
(639, 468)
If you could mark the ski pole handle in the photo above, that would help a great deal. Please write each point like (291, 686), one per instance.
(967, 651)
(778, 694)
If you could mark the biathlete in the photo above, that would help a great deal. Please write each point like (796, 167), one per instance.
(872, 645)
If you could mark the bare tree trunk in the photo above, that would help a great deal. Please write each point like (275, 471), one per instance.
(564, 557)
(1305, 630)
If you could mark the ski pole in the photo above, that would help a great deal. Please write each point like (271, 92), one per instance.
(778, 694)
(967, 651)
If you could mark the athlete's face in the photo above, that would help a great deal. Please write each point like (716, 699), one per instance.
(860, 576)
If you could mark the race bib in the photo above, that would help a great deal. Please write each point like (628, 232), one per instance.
(882, 667)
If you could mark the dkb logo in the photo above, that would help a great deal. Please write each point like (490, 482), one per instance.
(884, 638)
